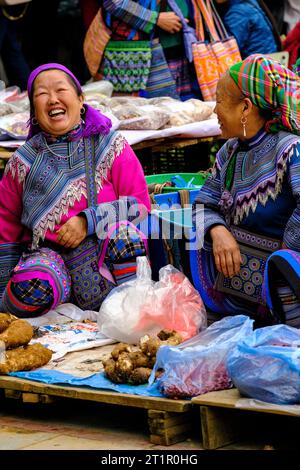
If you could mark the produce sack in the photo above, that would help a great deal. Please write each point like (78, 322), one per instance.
(199, 366)
(142, 306)
(266, 365)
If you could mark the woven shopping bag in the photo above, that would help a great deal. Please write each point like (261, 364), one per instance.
(95, 42)
(212, 58)
(126, 64)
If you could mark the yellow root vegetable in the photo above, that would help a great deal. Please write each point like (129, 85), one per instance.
(18, 333)
(25, 358)
(5, 320)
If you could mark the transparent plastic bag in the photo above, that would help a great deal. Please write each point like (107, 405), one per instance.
(100, 87)
(266, 365)
(146, 117)
(142, 306)
(15, 125)
(12, 100)
(183, 112)
(198, 365)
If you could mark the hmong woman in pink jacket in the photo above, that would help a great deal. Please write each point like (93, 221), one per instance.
(67, 200)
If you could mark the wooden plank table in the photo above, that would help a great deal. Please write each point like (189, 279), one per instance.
(222, 422)
(169, 420)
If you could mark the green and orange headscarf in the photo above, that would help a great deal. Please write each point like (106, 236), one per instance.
(270, 85)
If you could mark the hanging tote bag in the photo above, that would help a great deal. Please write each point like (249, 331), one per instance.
(126, 64)
(212, 58)
(160, 81)
(95, 41)
(233, 53)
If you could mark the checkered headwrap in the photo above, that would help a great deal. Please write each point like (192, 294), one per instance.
(269, 85)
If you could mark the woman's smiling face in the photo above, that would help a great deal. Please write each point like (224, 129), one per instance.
(56, 102)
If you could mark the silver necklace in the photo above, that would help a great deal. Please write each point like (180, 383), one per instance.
(64, 156)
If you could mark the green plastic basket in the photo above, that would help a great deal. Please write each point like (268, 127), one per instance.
(198, 180)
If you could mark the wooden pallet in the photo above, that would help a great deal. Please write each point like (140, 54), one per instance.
(169, 420)
(222, 422)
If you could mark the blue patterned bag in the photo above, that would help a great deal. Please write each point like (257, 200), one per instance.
(160, 81)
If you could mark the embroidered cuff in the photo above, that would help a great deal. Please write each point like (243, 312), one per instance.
(291, 235)
(212, 218)
(151, 24)
(90, 215)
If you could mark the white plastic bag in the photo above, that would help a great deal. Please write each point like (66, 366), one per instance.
(143, 306)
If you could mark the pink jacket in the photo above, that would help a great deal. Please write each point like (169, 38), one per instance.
(124, 178)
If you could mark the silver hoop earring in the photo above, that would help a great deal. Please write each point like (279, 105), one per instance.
(34, 121)
(82, 111)
(243, 122)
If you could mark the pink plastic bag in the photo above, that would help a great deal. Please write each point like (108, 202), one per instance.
(143, 306)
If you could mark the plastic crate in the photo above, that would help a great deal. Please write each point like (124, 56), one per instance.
(198, 179)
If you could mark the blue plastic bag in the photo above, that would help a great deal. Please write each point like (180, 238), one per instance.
(266, 365)
(198, 365)
(179, 182)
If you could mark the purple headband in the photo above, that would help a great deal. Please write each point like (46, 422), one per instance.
(95, 122)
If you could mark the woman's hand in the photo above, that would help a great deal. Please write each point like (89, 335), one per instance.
(73, 232)
(169, 21)
(226, 251)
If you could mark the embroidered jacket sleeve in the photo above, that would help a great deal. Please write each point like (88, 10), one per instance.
(291, 236)
(11, 190)
(12, 234)
(132, 13)
(210, 195)
(129, 183)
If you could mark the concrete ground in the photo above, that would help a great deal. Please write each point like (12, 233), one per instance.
(79, 425)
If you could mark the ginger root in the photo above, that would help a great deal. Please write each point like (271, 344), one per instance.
(110, 371)
(25, 358)
(135, 367)
(140, 375)
(119, 348)
(18, 333)
(124, 366)
(150, 344)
